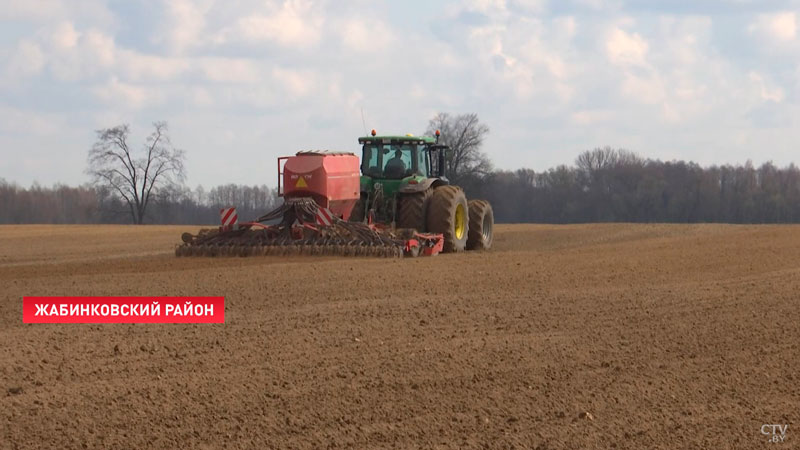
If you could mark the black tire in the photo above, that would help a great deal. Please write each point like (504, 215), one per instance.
(412, 209)
(481, 224)
(443, 217)
(357, 214)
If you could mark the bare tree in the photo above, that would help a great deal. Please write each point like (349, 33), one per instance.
(591, 162)
(135, 177)
(464, 134)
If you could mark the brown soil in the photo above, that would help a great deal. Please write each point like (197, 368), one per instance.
(667, 336)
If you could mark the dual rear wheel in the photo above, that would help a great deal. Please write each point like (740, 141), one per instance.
(481, 223)
(444, 209)
(448, 215)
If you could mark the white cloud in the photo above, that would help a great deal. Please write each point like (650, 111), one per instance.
(295, 23)
(489, 6)
(65, 36)
(95, 12)
(27, 59)
(139, 67)
(127, 96)
(600, 4)
(626, 48)
(645, 89)
(530, 6)
(230, 70)
(566, 27)
(73, 55)
(298, 83)
(200, 96)
(14, 120)
(592, 117)
(99, 47)
(366, 36)
(767, 93)
(779, 27)
(533, 71)
(31, 9)
(185, 23)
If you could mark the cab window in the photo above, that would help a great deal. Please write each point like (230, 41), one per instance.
(397, 161)
(393, 161)
(422, 164)
(370, 161)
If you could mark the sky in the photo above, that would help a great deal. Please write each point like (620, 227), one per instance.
(242, 82)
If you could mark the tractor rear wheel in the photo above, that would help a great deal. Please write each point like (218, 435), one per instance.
(448, 215)
(411, 211)
(481, 222)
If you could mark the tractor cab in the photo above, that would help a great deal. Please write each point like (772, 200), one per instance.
(395, 158)
(394, 161)
(393, 167)
(400, 157)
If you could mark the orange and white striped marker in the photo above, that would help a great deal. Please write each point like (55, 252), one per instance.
(228, 216)
(324, 216)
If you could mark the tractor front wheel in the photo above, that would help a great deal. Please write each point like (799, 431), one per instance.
(411, 211)
(448, 215)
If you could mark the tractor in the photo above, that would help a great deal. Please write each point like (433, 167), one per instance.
(403, 182)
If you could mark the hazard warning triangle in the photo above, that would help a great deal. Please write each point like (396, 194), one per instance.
(301, 183)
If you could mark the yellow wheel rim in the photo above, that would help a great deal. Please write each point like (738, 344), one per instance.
(461, 223)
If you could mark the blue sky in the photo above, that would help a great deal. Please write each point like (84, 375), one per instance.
(243, 82)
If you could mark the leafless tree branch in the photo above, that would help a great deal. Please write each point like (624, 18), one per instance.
(464, 134)
(113, 165)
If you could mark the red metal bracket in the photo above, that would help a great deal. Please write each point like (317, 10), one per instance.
(280, 174)
(434, 243)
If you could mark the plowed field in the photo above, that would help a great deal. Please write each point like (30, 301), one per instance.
(588, 336)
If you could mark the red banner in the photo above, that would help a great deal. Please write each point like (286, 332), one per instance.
(123, 309)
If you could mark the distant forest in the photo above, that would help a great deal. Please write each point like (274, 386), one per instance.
(607, 185)
(62, 204)
(604, 185)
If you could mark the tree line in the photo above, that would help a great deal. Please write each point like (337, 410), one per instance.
(146, 185)
(88, 204)
(616, 185)
(604, 185)
(611, 185)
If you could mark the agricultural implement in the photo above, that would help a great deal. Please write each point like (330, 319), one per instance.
(400, 204)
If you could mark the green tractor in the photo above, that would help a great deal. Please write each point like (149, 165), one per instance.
(403, 183)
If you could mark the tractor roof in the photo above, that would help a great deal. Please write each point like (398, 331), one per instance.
(398, 139)
(323, 153)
